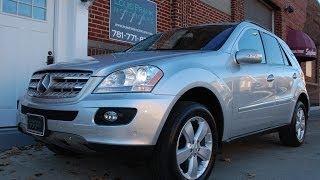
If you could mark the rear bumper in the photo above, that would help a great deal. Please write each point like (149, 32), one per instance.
(143, 130)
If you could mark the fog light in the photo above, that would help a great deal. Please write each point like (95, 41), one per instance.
(110, 116)
(114, 116)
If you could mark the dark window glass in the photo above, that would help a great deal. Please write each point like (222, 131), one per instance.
(251, 40)
(211, 37)
(285, 57)
(273, 52)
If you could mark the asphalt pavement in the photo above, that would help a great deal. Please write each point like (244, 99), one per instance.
(253, 158)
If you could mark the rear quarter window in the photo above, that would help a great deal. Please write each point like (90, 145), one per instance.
(290, 54)
(272, 49)
(285, 57)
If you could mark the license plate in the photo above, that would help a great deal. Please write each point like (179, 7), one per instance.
(36, 124)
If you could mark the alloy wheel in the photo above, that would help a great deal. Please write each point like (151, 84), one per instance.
(194, 148)
(300, 124)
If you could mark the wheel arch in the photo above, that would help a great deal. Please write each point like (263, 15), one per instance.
(207, 98)
(211, 101)
(303, 97)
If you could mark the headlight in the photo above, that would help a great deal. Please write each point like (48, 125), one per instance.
(134, 79)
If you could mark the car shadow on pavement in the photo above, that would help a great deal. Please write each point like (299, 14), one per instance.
(245, 159)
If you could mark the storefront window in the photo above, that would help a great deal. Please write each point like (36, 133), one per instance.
(309, 68)
(35, 9)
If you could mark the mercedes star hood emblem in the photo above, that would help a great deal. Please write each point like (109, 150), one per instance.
(44, 84)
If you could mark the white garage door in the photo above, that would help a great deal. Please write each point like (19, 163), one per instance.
(26, 36)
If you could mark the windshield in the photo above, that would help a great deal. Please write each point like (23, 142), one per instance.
(210, 37)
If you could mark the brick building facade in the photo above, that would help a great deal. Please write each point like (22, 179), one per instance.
(179, 13)
(311, 27)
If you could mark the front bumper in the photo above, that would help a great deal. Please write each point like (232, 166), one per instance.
(144, 129)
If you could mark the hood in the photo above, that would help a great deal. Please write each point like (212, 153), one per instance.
(102, 65)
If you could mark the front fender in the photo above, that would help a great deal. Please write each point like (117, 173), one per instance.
(180, 82)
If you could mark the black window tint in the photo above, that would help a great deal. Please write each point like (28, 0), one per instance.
(285, 57)
(273, 52)
(211, 37)
(217, 42)
(251, 40)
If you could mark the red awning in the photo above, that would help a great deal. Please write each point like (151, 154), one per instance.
(302, 46)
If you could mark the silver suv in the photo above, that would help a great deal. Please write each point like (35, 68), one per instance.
(184, 93)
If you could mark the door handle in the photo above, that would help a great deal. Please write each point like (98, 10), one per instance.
(270, 78)
(294, 76)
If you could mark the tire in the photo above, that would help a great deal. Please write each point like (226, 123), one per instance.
(294, 134)
(60, 151)
(186, 116)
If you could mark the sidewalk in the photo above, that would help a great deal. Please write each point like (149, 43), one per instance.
(260, 157)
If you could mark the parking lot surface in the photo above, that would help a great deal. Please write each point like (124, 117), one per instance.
(253, 158)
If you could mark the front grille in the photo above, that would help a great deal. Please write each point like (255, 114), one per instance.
(51, 114)
(63, 84)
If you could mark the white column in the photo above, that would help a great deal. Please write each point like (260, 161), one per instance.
(71, 30)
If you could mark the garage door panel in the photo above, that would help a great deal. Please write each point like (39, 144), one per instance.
(8, 117)
(21, 56)
(7, 72)
(27, 65)
(8, 20)
(24, 48)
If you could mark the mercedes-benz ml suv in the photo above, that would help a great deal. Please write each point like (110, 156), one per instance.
(183, 93)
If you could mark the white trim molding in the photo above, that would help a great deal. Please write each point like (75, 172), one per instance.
(70, 30)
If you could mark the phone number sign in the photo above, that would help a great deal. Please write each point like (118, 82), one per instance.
(132, 21)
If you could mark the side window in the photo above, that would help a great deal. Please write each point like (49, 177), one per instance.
(285, 57)
(273, 52)
(251, 40)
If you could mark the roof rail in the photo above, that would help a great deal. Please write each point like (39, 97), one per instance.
(255, 23)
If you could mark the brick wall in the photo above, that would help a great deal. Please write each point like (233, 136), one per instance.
(311, 27)
(192, 12)
(171, 14)
(200, 13)
(99, 27)
(284, 21)
(180, 13)
(237, 10)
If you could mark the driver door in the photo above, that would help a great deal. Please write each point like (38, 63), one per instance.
(253, 90)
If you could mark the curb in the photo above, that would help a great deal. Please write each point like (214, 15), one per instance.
(314, 108)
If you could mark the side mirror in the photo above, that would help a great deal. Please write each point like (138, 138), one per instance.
(248, 56)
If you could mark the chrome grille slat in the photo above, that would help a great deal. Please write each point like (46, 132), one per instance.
(76, 75)
(64, 84)
(33, 85)
(72, 78)
(68, 85)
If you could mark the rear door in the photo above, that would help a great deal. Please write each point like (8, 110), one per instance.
(285, 77)
(253, 93)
